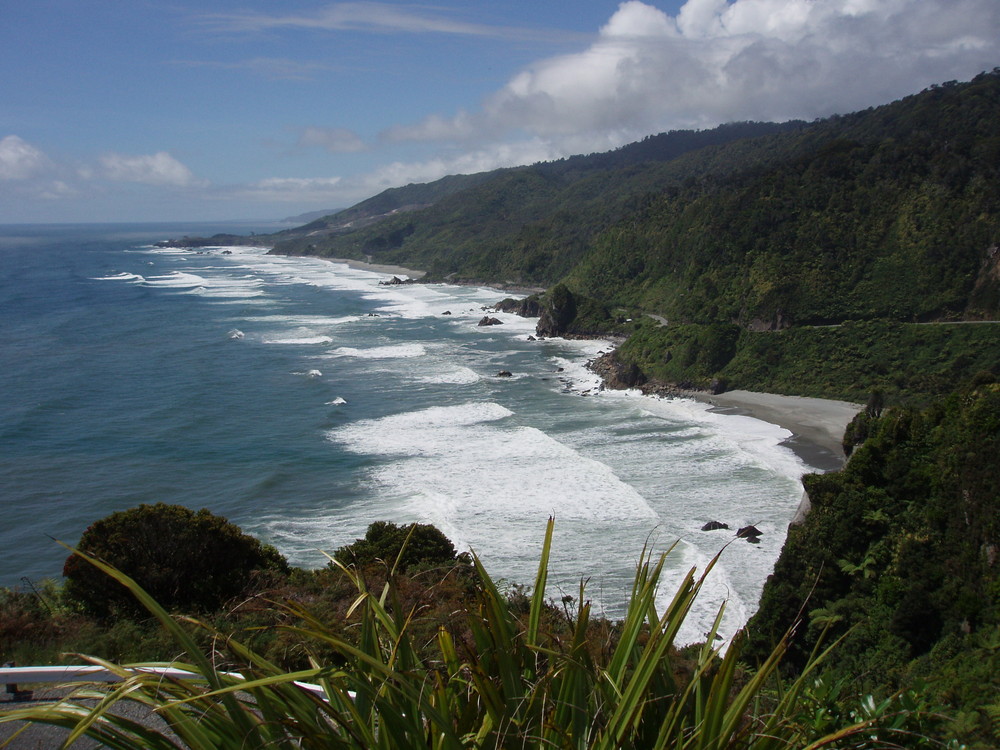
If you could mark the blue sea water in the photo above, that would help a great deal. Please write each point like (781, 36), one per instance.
(302, 400)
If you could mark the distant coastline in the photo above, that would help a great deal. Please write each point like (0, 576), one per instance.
(817, 424)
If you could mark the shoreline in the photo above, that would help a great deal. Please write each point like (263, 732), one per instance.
(360, 265)
(817, 424)
(416, 275)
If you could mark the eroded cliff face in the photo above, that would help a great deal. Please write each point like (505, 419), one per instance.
(616, 374)
(984, 302)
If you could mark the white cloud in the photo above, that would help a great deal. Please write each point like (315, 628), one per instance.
(334, 140)
(378, 18)
(719, 61)
(152, 169)
(19, 160)
(302, 190)
(345, 191)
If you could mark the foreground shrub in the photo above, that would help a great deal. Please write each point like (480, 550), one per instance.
(505, 680)
(182, 558)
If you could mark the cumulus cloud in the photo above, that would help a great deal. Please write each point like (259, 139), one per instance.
(19, 160)
(152, 169)
(334, 140)
(719, 61)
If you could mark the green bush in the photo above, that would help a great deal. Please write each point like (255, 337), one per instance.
(186, 559)
(424, 544)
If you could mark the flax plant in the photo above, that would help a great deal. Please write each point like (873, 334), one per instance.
(502, 681)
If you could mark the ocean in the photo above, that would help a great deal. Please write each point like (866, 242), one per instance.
(302, 400)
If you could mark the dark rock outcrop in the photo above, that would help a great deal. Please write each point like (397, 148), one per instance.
(488, 321)
(615, 374)
(750, 533)
(505, 374)
(529, 307)
(714, 525)
(558, 313)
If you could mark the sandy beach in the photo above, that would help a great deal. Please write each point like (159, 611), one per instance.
(817, 424)
(379, 268)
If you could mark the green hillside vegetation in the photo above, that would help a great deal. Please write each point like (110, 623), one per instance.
(905, 361)
(499, 671)
(873, 221)
(899, 555)
(528, 225)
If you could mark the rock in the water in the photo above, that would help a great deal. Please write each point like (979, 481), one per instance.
(714, 525)
(488, 321)
(505, 374)
(446, 312)
(529, 307)
(750, 533)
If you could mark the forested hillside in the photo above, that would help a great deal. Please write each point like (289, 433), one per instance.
(529, 225)
(888, 213)
(899, 556)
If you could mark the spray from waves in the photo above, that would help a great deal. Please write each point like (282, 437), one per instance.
(718, 590)
(490, 482)
(301, 321)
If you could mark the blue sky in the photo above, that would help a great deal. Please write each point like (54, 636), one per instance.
(143, 110)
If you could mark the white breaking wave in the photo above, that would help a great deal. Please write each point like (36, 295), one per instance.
(616, 468)
(300, 340)
(123, 276)
(460, 376)
(490, 483)
(397, 351)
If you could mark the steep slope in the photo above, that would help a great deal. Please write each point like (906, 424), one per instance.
(899, 556)
(891, 213)
(527, 225)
